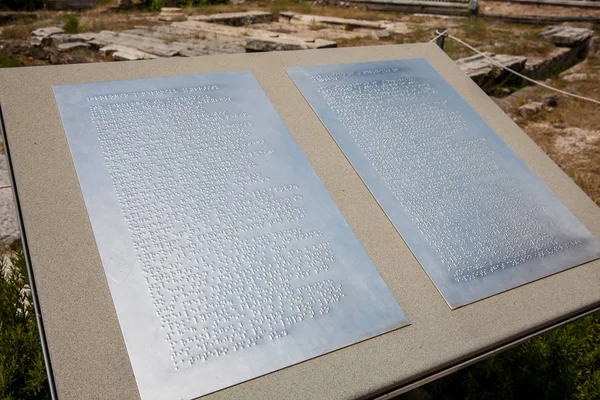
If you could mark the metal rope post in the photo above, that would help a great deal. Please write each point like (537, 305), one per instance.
(441, 34)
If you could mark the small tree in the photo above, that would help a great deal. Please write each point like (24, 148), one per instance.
(22, 371)
(153, 5)
(71, 24)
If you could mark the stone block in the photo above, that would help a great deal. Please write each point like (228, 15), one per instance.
(72, 45)
(484, 72)
(530, 109)
(578, 77)
(567, 36)
(145, 44)
(9, 225)
(304, 19)
(258, 44)
(124, 53)
(169, 14)
(46, 32)
(236, 19)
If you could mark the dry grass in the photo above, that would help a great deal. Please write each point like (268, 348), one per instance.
(90, 21)
(357, 41)
(23, 20)
(534, 10)
(576, 151)
(316, 27)
(224, 8)
(570, 132)
(494, 36)
(350, 13)
(84, 55)
(94, 21)
(20, 32)
(301, 7)
(489, 35)
(505, 38)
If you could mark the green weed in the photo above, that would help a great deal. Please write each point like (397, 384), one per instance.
(562, 364)
(71, 24)
(22, 371)
(7, 61)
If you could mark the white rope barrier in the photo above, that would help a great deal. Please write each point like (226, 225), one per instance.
(445, 33)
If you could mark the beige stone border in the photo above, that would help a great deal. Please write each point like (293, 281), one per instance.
(87, 351)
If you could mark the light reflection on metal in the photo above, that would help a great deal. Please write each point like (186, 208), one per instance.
(225, 256)
(473, 214)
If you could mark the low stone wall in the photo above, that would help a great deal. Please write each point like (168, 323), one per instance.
(559, 60)
(441, 7)
(236, 19)
(572, 46)
(483, 72)
(72, 4)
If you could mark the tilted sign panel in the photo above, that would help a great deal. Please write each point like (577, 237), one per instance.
(225, 256)
(474, 215)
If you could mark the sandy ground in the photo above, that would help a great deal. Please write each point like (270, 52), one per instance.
(530, 10)
(568, 132)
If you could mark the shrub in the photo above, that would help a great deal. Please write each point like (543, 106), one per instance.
(7, 61)
(71, 24)
(562, 364)
(22, 371)
(153, 5)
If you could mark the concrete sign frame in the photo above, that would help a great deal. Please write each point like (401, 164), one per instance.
(85, 346)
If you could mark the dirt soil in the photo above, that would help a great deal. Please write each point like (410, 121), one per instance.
(488, 35)
(532, 10)
(568, 131)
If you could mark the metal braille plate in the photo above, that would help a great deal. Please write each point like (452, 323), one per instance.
(473, 214)
(225, 256)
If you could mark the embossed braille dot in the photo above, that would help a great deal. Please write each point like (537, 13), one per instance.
(473, 214)
(182, 210)
(221, 247)
(443, 183)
